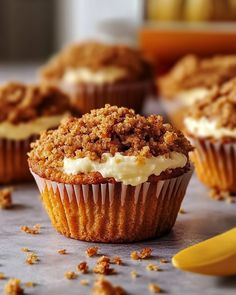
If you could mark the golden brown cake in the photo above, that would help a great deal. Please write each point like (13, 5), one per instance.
(112, 175)
(97, 73)
(26, 110)
(191, 79)
(211, 126)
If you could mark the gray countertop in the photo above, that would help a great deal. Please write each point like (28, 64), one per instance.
(203, 219)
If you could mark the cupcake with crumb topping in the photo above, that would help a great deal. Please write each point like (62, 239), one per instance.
(95, 73)
(26, 110)
(211, 126)
(190, 80)
(112, 175)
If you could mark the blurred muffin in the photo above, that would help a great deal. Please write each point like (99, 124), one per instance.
(95, 74)
(112, 175)
(211, 126)
(190, 80)
(26, 110)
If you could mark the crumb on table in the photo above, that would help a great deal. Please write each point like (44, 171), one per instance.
(2, 276)
(83, 267)
(70, 275)
(152, 267)
(143, 254)
(104, 287)
(103, 267)
(154, 288)
(32, 231)
(134, 274)
(32, 258)
(62, 251)
(13, 287)
(84, 282)
(30, 284)
(117, 260)
(91, 251)
(5, 198)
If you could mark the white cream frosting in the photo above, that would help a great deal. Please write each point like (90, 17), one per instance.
(24, 130)
(205, 128)
(104, 75)
(188, 97)
(126, 169)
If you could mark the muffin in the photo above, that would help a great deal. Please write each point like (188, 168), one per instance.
(95, 74)
(112, 175)
(26, 110)
(211, 127)
(190, 80)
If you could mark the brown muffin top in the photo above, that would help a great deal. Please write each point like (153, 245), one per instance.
(95, 55)
(219, 105)
(22, 103)
(192, 71)
(107, 130)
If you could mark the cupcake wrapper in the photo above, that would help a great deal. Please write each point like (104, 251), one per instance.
(13, 160)
(215, 163)
(113, 212)
(87, 97)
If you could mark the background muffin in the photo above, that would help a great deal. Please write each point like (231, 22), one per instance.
(211, 125)
(26, 110)
(112, 175)
(191, 79)
(96, 73)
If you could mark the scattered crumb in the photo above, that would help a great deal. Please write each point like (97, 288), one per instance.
(84, 282)
(182, 211)
(13, 287)
(163, 260)
(152, 267)
(143, 254)
(70, 275)
(82, 267)
(30, 284)
(103, 268)
(104, 287)
(218, 195)
(91, 251)
(134, 255)
(62, 251)
(5, 198)
(154, 288)
(2, 276)
(134, 274)
(33, 231)
(104, 259)
(25, 250)
(32, 258)
(117, 260)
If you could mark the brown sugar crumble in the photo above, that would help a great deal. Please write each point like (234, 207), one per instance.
(2, 276)
(70, 275)
(32, 258)
(219, 106)
(104, 259)
(164, 260)
(107, 55)
(143, 254)
(104, 287)
(192, 71)
(82, 267)
(5, 198)
(32, 231)
(106, 130)
(152, 267)
(117, 260)
(103, 268)
(13, 287)
(62, 251)
(154, 288)
(22, 103)
(92, 251)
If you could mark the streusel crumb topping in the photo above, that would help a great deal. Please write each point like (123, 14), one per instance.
(106, 130)
(219, 106)
(192, 71)
(22, 103)
(95, 55)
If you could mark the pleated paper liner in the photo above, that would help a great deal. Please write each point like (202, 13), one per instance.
(13, 160)
(215, 163)
(86, 97)
(113, 212)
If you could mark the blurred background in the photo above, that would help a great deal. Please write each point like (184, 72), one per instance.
(34, 29)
